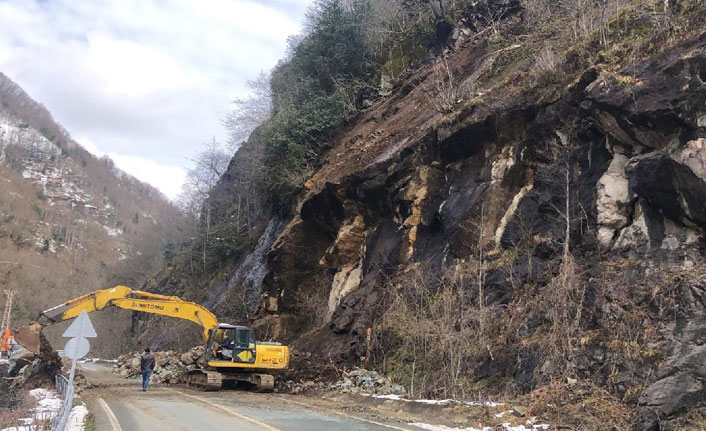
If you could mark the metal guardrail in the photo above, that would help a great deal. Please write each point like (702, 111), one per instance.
(66, 390)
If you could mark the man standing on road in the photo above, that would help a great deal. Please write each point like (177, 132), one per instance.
(147, 362)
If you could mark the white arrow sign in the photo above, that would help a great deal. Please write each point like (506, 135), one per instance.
(78, 346)
(81, 327)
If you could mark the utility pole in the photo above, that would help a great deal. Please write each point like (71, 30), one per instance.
(5, 326)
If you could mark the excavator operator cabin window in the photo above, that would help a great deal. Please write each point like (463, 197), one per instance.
(244, 339)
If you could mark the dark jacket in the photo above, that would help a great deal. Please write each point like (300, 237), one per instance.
(147, 362)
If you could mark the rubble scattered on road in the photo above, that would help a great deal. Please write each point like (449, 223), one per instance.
(171, 367)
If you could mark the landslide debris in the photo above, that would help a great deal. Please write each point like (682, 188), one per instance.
(25, 370)
(358, 382)
(170, 368)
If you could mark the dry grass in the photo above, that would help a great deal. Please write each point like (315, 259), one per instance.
(580, 406)
(22, 406)
(442, 93)
(546, 64)
(440, 323)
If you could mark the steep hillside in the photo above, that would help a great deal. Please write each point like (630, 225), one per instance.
(69, 222)
(521, 213)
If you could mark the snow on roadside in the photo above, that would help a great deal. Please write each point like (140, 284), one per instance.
(440, 402)
(506, 427)
(529, 425)
(48, 403)
(97, 360)
(48, 406)
(77, 418)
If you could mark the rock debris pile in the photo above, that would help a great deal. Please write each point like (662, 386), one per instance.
(171, 367)
(24, 369)
(362, 381)
(358, 381)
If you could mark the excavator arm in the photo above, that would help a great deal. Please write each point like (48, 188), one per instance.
(136, 300)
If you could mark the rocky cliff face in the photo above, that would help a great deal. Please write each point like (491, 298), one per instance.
(604, 167)
(406, 187)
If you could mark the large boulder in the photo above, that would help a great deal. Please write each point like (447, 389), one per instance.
(674, 182)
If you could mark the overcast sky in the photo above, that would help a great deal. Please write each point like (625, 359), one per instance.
(146, 82)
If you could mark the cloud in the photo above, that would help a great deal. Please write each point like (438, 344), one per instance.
(167, 178)
(143, 79)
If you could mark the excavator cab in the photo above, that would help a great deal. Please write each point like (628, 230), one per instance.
(233, 344)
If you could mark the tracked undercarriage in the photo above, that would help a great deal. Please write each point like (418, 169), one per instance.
(208, 380)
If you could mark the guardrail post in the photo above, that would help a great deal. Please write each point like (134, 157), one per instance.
(66, 389)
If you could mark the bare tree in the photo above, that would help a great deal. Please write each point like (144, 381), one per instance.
(249, 112)
(209, 165)
(440, 91)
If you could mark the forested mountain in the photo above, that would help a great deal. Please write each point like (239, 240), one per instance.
(477, 197)
(70, 222)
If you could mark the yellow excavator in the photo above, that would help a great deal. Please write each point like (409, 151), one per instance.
(232, 353)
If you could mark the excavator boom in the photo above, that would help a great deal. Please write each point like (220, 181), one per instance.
(128, 299)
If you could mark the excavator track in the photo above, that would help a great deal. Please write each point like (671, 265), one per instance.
(264, 382)
(204, 380)
(256, 381)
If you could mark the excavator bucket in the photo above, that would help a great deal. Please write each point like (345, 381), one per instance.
(28, 337)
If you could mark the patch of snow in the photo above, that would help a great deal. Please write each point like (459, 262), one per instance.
(390, 397)
(28, 427)
(506, 427)
(509, 427)
(77, 418)
(112, 231)
(48, 406)
(441, 402)
(48, 403)
(430, 427)
(95, 360)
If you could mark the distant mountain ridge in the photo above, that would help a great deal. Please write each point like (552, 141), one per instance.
(70, 222)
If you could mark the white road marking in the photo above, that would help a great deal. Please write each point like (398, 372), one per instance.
(111, 416)
(233, 413)
(350, 416)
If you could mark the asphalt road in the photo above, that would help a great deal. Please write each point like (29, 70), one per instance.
(120, 405)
